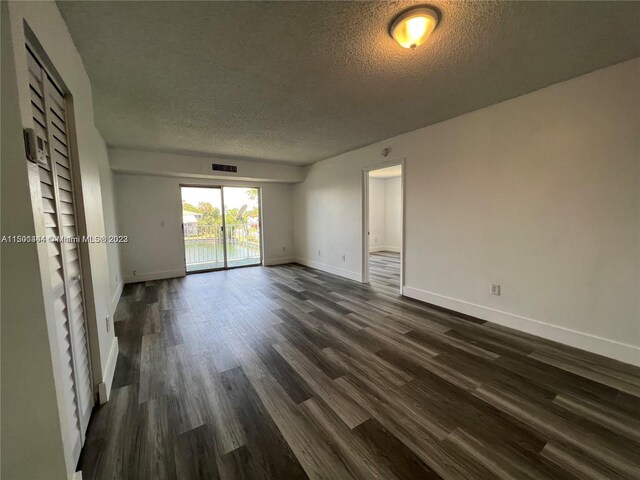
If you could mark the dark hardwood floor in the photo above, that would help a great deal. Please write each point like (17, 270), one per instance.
(384, 271)
(287, 372)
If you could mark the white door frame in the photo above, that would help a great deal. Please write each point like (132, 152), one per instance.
(365, 216)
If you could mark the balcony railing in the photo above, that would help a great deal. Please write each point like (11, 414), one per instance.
(204, 245)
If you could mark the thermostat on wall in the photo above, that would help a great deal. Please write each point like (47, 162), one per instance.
(35, 146)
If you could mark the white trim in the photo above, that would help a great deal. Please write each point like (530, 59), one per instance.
(116, 298)
(384, 249)
(591, 343)
(341, 272)
(148, 276)
(278, 261)
(104, 388)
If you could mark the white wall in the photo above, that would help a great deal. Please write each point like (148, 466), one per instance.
(149, 210)
(385, 214)
(539, 193)
(32, 444)
(123, 160)
(393, 213)
(377, 225)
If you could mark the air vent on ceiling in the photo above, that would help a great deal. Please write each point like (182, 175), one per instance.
(224, 168)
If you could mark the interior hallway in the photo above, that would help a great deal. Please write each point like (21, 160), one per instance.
(289, 372)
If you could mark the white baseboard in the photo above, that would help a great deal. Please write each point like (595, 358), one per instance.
(104, 388)
(115, 299)
(278, 261)
(384, 249)
(341, 272)
(148, 276)
(591, 343)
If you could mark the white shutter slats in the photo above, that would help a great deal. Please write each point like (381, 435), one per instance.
(56, 188)
(58, 139)
(76, 309)
(65, 196)
(39, 130)
(59, 129)
(47, 191)
(36, 99)
(69, 232)
(35, 84)
(45, 175)
(38, 113)
(64, 184)
(66, 208)
(59, 117)
(48, 205)
(61, 159)
(58, 99)
(34, 67)
(68, 220)
(59, 125)
(57, 110)
(71, 229)
(75, 290)
(54, 262)
(57, 280)
(49, 220)
(50, 233)
(72, 291)
(60, 147)
(64, 172)
(78, 330)
(53, 248)
(73, 268)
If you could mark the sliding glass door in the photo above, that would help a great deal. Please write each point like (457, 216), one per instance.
(202, 228)
(221, 227)
(242, 226)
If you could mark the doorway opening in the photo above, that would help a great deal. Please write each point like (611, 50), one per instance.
(221, 227)
(383, 238)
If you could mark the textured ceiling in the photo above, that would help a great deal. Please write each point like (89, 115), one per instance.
(302, 81)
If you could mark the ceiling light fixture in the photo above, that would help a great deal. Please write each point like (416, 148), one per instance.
(413, 27)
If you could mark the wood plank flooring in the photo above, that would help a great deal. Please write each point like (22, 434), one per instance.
(384, 271)
(288, 372)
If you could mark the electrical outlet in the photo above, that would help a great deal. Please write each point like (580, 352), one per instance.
(318, 252)
(284, 249)
(107, 322)
(494, 289)
(344, 258)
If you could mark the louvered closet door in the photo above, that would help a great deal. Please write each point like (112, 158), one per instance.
(59, 217)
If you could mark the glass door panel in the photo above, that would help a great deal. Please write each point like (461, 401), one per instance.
(242, 226)
(202, 226)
